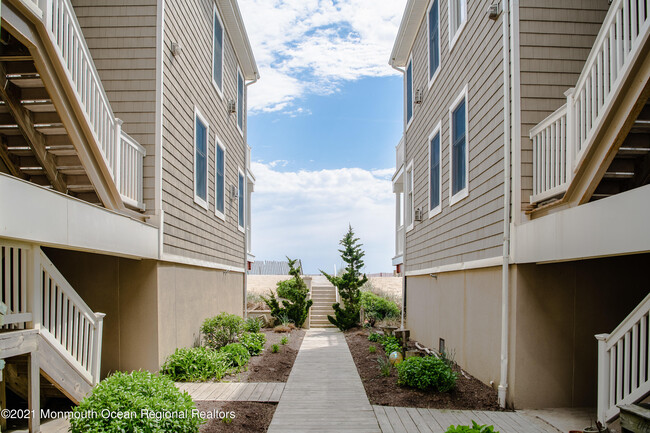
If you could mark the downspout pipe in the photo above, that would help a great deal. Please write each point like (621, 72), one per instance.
(505, 280)
(245, 309)
(403, 72)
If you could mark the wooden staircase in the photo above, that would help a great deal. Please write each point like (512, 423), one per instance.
(324, 295)
(635, 418)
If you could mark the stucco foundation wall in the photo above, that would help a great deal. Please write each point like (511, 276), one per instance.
(559, 309)
(187, 295)
(463, 308)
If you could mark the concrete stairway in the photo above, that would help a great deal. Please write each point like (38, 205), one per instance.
(324, 295)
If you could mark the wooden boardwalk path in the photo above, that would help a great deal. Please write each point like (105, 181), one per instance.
(412, 420)
(324, 392)
(233, 391)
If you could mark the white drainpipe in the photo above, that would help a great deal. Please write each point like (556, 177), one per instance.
(403, 71)
(505, 281)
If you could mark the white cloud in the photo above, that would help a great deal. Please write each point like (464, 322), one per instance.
(311, 46)
(278, 163)
(304, 214)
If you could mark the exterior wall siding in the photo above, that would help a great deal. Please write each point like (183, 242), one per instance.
(121, 36)
(471, 229)
(555, 41)
(189, 229)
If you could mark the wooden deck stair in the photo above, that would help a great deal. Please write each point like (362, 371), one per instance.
(324, 295)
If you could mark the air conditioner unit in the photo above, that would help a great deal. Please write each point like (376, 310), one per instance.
(418, 96)
(418, 214)
(232, 107)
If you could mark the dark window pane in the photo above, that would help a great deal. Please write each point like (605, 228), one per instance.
(240, 102)
(458, 148)
(201, 169)
(435, 171)
(409, 92)
(241, 200)
(217, 67)
(434, 36)
(220, 180)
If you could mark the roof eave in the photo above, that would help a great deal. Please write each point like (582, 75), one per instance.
(408, 30)
(237, 31)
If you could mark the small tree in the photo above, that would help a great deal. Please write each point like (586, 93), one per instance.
(349, 283)
(295, 305)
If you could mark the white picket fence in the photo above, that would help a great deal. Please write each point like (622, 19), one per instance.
(624, 363)
(123, 155)
(39, 297)
(560, 140)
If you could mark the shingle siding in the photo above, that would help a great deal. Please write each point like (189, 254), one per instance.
(471, 229)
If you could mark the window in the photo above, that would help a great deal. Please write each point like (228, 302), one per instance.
(457, 19)
(220, 181)
(241, 197)
(408, 196)
(217, 52)
(459, 149)
(434, 40)
(200, 159)
(240, 101)
(409, 92)
(435, 173)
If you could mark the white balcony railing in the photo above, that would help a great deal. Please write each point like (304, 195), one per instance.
(61, 23)
(623, 363)
(399, 154)
(560, 140)
(39, 297)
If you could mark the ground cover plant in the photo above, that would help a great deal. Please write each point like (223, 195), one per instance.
(426, 372)
(252, 324)
(348, 284)
(253, 342)
(237, 354)
(221, 330)
(291, 304)
(474, 428)
(196, 364)
(133, 393)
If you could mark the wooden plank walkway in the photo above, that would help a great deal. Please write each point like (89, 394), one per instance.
(233, 391)
(324, 392)
(417, 420)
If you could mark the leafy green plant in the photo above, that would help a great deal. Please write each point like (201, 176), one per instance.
(221, 330)
(384, 366)
(226, 420)
(378, 308)
(426, 372)
(238, 355)
(284, 340)
(372, 349)
(196, 364)
(348, 284)
(474, 428)
(391, 344)
(253, 342)
(374, 337)
(252, 324)
(275, 348)
(136, 393)
(293, 294)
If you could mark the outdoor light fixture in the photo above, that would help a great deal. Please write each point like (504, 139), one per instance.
(418, 96)
(232, 107)
(493, 11)
(176, 49)
(418, 215)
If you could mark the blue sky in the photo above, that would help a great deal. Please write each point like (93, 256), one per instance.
(323, 123)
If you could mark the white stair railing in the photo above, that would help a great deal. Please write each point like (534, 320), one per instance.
(624, 363)
(117, 148)
(39, 297)
(560, 140)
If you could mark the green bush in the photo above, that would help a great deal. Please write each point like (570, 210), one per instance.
(426, 372)
(138, 393)
(221, 330)
(390, 344)
(378, 308)
(374, 337)
(253, 342)
(238, 355)
(252, 324)
(474, 428)
(196, 364)
(295, 305)
(275, 348)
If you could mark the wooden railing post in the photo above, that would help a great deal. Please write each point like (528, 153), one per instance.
(603, 378)
(97, 347)
(34, 286)
(570, 134)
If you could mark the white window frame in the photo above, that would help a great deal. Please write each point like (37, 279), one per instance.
(409, 168)
(199, 200)
(219, 144)
(436, 131)
(455, 198)
(406, 119)
(241, 228)
(243, 108)
(218, 86)
(437, 71)
(453, 36)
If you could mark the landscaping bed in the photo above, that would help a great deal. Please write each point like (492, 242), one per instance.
(269, 366)
(469, 393)
(249, 416)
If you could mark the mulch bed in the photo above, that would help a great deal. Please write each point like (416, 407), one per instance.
(248, 417)
(470, 393)
(268, 366)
